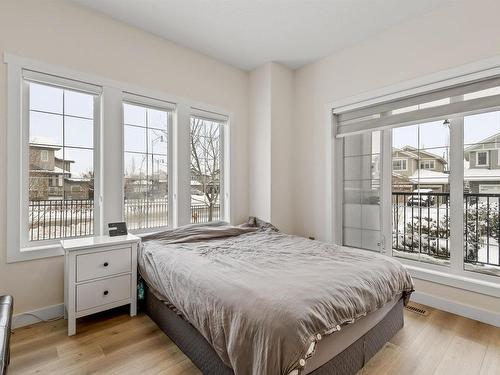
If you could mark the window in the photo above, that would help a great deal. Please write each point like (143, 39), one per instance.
(443, 203)
(146, 166)
(60, 122)
(58, 153)
(207, 169)
(481, 195)
(44, 155)
(427, 164)
(482, 158)
(362, 191)
(399, 165)
(421, 212)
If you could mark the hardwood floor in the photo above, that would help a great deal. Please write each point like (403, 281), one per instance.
(114, 343)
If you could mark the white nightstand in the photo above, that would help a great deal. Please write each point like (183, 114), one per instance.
(100, 273)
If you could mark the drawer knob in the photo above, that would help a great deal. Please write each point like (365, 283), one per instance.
(106, 264)
(106, 293)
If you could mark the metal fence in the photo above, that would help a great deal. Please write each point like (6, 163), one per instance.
(481, 229)
(421, 224)
(52, 219)
(143, 213)
(205, 214)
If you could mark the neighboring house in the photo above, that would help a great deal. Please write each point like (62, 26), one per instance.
(412, 168)
(482, 166)
(137, 188)
(50, 177)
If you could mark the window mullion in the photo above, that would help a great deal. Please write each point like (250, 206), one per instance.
(110, 199)
(182, 196)
(456, 192)
(386, 192)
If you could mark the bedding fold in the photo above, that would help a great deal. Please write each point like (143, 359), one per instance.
(261, 297)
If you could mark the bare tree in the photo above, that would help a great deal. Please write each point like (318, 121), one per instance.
(205, 161)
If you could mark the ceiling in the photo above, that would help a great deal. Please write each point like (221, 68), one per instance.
(249, 33)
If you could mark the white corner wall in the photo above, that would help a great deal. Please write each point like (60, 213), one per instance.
(270, 145)
(259, 143)
(68, 35)
(454, 35)
(282, 168)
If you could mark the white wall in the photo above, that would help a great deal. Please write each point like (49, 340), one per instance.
(259, 143)
(270, 145)
(282, 167)
(64, 34)
(461, 33)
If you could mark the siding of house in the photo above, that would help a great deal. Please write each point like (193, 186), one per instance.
(36, 159)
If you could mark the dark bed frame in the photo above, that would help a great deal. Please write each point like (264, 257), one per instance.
(201, 353)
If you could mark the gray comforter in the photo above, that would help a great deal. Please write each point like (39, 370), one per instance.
(261, 297)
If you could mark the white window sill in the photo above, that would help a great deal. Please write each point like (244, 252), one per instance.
(460, 281)
(466, 280)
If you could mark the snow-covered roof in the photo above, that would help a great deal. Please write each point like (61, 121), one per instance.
(44, 142)
(425, 176)
(481, 174)
(56, 170)
(413, 153)
(72, 179)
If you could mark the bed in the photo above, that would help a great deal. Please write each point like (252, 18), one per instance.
(251, 300)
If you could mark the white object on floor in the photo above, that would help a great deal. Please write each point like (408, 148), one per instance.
(100, 273)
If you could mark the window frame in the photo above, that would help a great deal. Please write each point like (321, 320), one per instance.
(487, 158)
(224, 122)
(19, 248)
(405, 169)
(146, 102)
(455, 275)
(108, 203)
(42, 158)
(429, 162)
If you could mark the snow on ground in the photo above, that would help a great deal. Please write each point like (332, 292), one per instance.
(482, 255)
(486, 254)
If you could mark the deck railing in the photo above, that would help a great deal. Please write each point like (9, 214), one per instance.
(481, 229)
(52, 219)
(421, 224)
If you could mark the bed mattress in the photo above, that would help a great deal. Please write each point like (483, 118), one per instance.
(336, 343)
(287, 293)
(201, 353)
(332, 345)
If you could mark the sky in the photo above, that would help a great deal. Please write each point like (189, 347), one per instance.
(435, 135)
(61, 117)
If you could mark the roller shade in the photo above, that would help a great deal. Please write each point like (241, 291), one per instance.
(459, 100)
(208, 115)
(53, 80)
(148, 102)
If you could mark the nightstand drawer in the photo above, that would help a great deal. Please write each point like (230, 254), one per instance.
(102, 292)
(103, 263)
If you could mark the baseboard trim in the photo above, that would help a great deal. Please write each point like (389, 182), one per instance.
(36, 316)
(453, 307)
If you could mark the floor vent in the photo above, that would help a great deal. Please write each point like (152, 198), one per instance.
(417, 309)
